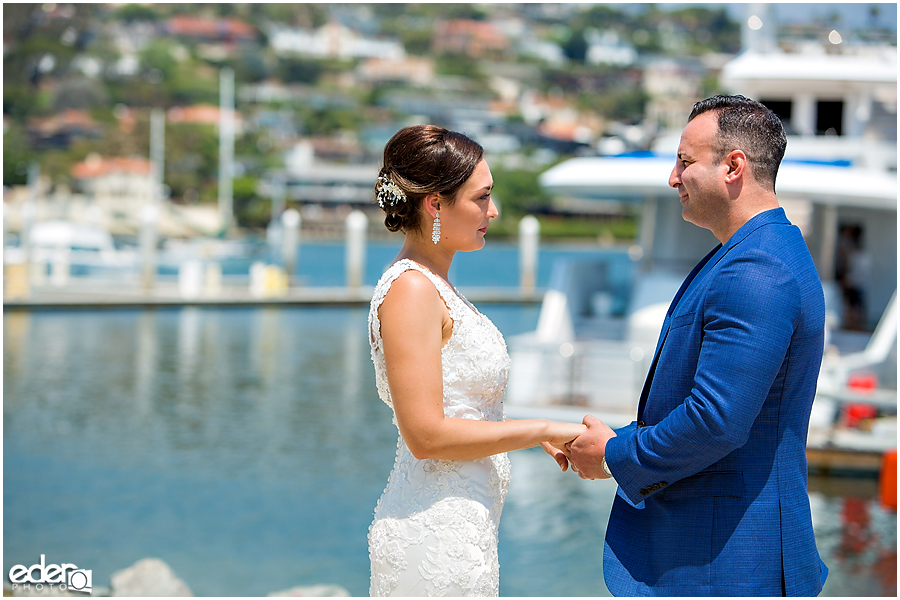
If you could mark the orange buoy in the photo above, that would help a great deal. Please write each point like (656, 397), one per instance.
(862, 381)
(855, 413)
(887, 480)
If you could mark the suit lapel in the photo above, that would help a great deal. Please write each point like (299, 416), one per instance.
(697, 274)
(645, 391)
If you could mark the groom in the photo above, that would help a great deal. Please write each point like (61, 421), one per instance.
(712, 497)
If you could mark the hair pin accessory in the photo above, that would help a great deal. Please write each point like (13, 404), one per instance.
(389, 192)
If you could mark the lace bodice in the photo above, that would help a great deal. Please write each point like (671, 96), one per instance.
(450, 508)
(475, 362)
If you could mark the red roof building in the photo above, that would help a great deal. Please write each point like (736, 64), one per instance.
(204, 114)
(95, 166)
(220, 30)
(60, 129)
(476, 39)
(115, 183)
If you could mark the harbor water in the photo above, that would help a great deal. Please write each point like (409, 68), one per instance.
(247, 447)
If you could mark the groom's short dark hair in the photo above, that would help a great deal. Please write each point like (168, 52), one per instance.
(751, 127)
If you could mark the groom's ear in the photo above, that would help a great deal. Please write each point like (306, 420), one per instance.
(736, 161)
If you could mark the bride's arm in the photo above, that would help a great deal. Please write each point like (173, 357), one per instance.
(412, 316)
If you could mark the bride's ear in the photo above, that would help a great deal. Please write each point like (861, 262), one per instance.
(432, 204)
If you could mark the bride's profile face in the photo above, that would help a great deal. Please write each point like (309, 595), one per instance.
(464, 223)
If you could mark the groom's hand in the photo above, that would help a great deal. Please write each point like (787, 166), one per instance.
(586, 452)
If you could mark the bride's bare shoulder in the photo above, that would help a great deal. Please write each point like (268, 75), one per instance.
(412, 288)
(412, 308)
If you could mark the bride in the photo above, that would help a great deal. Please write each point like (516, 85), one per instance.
(442, 367)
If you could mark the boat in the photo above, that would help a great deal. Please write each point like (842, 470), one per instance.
(592, 348)
(65, 247)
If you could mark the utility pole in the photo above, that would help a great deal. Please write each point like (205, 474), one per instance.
(226, 146)
(157, 154)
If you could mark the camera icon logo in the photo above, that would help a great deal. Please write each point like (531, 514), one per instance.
(80, 580)
(64, 577)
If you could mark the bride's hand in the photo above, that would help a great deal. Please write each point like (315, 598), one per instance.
(560, 435)
(558, 454)
(563, 433)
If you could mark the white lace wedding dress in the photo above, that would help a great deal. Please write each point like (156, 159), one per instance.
(435, 527)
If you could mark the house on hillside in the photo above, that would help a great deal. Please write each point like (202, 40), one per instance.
(118, 185)
(475, 39)
(59, 130)
(408, 70)
(201, 29)
(203, 114)
(332, 40)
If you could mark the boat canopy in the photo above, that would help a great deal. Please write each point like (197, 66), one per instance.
(638, 178)
(776, 68)
(65, 234)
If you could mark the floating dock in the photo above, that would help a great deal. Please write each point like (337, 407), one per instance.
(168, 295)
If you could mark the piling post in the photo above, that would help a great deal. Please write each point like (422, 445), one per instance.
(274, 231)
(529, 241)
(226, 147)
(16, 274)
(147, 243)
(357, 223)
(157, 154)
(190, 278)
(27, 220)
(60, 267)
(34, 273)
(290, 239)
(279, 195)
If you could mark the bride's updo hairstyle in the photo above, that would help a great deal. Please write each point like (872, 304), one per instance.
(418, 161)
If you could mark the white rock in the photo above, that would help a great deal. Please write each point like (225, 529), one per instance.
(314, 590)
(148, 577)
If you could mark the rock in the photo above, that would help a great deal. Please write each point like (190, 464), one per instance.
(148, 577)
(313, 590)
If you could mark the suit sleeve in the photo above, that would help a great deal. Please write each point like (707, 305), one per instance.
(748, 317)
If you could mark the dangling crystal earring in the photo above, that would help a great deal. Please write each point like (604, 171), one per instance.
(436, 228)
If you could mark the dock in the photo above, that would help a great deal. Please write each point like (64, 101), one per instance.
(168, 295)
(844, 460)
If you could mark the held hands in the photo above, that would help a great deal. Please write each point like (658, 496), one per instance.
(585, 452)
(588, 450)
(560, 434)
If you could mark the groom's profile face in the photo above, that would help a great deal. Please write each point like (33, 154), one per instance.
(699, 172)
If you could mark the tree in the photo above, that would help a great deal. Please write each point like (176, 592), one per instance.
(519, 191)
(303, 15)
(158, 56)
(417, 41)
(17, 155)
(250, 209)
(459, 65)
(79, 93)
(575, 48)
(192, 159)
(131, 13)
(250, 65)
(299, 70)
(620, 103)
(331, 120)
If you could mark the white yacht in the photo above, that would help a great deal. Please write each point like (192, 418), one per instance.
(839, 176)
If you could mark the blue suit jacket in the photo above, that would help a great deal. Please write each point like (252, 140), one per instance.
(712, 476)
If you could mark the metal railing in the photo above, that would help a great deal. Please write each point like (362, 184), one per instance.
(597, 373)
